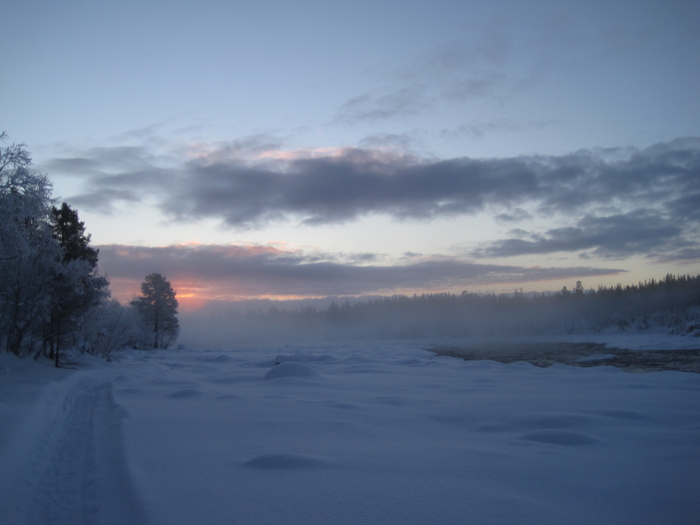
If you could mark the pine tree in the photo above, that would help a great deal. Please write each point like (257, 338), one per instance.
(69, 231)
(76, 286)
(158, 308)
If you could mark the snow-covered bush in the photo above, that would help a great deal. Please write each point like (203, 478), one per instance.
(686, 323)
(110, 327)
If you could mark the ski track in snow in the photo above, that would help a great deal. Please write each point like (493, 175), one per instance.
(67, 467)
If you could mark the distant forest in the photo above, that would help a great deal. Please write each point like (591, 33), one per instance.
(672, 303)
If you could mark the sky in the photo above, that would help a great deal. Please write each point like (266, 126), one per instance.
(307, 149)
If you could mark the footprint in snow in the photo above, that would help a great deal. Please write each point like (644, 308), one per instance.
(187, 392)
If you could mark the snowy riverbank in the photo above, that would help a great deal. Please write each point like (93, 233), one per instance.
(363, 432)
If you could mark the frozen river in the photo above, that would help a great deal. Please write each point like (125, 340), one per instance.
(344, 434)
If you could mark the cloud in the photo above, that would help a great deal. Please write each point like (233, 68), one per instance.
(686, 207)
(406, 142)
(482, 66)
(404, 102)
(495, 60)
(421, 96)
(75, 165)
(686, 254)
(614, 237)
(516, 215)
(258, 146)
(232, 271)
(614, 201)
(475, 87)
(102, 161)
(103, 200)
(105, 190)
(478, 129)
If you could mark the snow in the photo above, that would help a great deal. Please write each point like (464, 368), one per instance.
(345, 433)
(291, 369)
(596, 357)
(652, 339)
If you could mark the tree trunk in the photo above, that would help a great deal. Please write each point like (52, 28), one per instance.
(155, 330)
(58, 339)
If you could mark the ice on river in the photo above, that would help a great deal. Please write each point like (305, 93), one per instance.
(357, 433)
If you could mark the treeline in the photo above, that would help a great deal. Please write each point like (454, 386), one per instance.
(52, 298)
(671, 303)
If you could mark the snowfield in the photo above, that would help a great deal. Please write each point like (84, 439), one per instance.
(356, 433)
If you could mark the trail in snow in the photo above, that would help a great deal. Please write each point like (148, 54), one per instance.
(67, 465)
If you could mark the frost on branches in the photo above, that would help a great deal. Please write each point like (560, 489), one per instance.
(49, 285)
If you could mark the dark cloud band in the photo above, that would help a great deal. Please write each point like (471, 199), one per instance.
(262, 270)
(606, 193)
(613, 237)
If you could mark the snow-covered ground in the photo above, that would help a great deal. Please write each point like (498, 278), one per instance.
(356, 433)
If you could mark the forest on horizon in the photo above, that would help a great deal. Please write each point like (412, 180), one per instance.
(671, 303)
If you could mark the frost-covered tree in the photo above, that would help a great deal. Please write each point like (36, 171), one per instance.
(28, 252)
(77, 287)
(158, 308)
(48, 278)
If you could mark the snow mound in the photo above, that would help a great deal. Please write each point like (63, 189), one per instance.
(559, 437)
(304, 358)
(285, 461)
(291, 369)
(625, 415)
(225, 379)
(186, 392)
(223, 358)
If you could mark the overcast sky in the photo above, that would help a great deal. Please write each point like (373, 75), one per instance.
(304, 149)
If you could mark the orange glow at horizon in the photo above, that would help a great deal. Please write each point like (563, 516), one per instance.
(194, 295)
(191, 304)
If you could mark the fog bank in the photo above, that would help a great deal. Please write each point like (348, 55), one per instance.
(671, 304)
